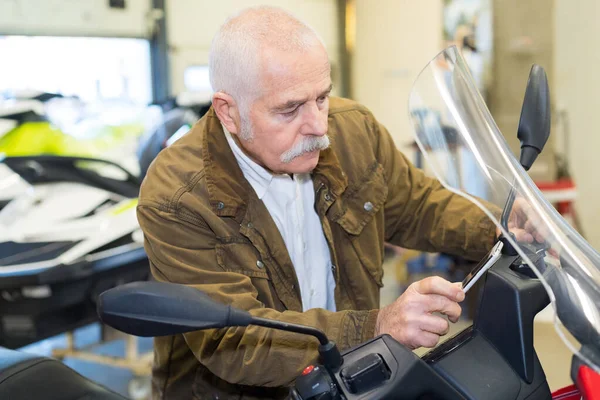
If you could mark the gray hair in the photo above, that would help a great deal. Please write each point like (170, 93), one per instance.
(234, 58)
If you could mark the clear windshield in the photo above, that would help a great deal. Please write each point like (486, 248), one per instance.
(466, 151)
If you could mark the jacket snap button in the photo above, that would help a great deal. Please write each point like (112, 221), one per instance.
(220, 205)
(327, 197)
(250, 225)
(368, 206)
(333, 268)
(260, 264)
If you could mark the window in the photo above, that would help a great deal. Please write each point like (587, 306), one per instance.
(93, 69)
(196, 79)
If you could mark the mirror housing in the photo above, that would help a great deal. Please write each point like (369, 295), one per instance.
(534, 124)
(151, 309)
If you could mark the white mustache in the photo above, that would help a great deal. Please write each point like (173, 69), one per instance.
(307, 145)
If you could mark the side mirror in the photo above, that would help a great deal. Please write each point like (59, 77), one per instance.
(161, 309)
(534, 124)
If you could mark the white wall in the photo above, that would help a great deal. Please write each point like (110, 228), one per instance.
(577, 83)
(73, 18)
(191, 25)
(394, 40)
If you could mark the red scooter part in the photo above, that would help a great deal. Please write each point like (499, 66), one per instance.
(588, 387)
(588, 382)
(567, 393)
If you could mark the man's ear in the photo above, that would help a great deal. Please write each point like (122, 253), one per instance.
(227, 111)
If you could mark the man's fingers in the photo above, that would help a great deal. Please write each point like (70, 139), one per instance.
(537, 230)
(437, 303)
(521, 235)
(528, 221)
(539, 238)
(428, 339)
(439, 286)
(434, 324)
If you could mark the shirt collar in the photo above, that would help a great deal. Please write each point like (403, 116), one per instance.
(259, 178)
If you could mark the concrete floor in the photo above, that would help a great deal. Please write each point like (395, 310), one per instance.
(554, 355)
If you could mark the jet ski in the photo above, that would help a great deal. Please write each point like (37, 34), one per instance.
(70, 236)
(35, 123)
(68, 228)
(14, 112)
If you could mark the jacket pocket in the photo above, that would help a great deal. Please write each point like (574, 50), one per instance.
(361, 218)
(363, 200)
(242, 259)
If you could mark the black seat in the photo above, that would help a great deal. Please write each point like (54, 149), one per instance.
(27, 376)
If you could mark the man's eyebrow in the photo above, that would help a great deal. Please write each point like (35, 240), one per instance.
(326, 91)
(294, 103)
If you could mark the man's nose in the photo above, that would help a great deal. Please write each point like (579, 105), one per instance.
(316, 121)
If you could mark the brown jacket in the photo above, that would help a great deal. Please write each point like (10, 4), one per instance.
(205, 227)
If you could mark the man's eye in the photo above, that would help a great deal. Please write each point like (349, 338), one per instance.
(290, 113)
(322, 99)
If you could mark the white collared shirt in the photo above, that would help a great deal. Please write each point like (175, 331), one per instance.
(291, 203)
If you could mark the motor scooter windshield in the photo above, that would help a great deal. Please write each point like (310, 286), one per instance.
(464, 148)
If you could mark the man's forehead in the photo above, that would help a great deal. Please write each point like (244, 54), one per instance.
(288, 71)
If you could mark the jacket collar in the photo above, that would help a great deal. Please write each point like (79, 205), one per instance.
(329, 170)
(227, 188)
(258, 177)
(229, 191)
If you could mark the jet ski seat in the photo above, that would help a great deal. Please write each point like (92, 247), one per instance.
(27, 376)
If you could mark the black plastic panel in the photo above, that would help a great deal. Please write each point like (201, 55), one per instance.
(411, 377)
(495, 359)
(479, 371)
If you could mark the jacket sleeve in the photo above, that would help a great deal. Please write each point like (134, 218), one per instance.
(182, 250)
(421, 214)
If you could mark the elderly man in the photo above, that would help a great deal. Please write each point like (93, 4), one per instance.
(279, 202)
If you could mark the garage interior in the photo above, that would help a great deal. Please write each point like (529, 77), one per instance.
(117, 81)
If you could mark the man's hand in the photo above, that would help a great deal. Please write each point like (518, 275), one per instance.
(409, 319)
(524, 223)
